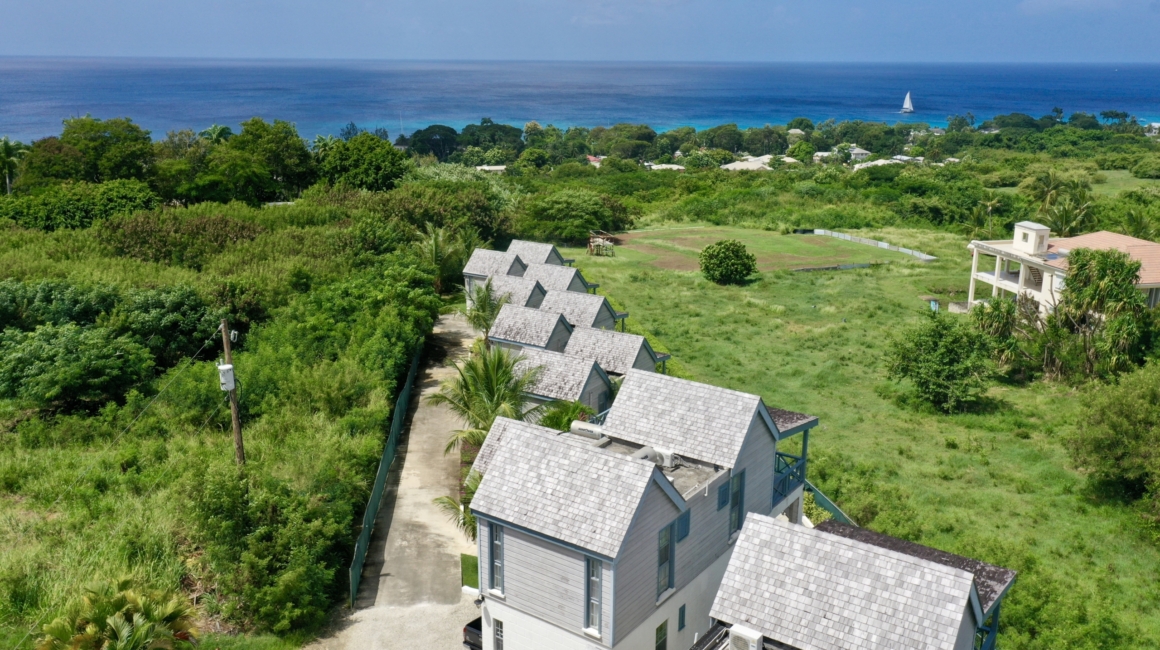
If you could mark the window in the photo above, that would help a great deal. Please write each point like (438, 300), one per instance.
(1024, 236)
(736, 502)
(593, 594)
(497, 637)
(683, 526)
(663, 636)
(495, 580)
(681, 618)
(723, 495)
(665, 556)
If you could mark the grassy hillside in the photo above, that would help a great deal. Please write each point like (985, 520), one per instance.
(994, 484)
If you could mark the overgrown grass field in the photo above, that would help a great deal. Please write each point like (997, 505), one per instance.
(995, 484)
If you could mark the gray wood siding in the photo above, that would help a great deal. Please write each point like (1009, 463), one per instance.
(757, 459)
(596, 394)
(546, 580)
(708, 534)
(577, 284)
(559, 338)
(644, 360)
(606, 319)
(537, 298)
(636, 569)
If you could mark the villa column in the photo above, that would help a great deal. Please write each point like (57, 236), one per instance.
(1022, 281)
(974, 270)
(998, 274)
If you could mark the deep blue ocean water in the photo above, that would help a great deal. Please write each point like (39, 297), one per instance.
(321, 96)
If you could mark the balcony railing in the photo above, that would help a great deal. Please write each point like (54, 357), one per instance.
(598, 419)
(790, 474)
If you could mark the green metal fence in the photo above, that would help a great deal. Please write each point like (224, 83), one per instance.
(829, 506)
(372, 511)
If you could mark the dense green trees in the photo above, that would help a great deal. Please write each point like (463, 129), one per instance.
(569, 215)
(946, 360)
(727, 262)
(364, 162)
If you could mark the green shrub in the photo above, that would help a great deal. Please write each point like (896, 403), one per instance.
(176, 238)
(173, 322)
(560, 415)
(71, 368)
(567, 216)
(25, 305)
(1147, 168)
(365, 162)
(727, 262)
(947, 361)
(1119, 432)
(77, 205)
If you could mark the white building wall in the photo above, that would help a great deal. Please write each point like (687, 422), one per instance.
(522, 631)
(697, 597)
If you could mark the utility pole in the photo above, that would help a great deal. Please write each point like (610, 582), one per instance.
(226, 373)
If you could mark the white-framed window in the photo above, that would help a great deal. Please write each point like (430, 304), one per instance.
(592, 593)
(666, 554)
(495, 551)
(663, 636)
(497, 634)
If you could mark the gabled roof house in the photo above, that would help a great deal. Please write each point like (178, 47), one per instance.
(522, 292)
(537, 253)
(559, 278)
(582, 309)
(566, 378)
(839, 587)
(484, 264)
(516, 328)
(616, 352)
(617, 535)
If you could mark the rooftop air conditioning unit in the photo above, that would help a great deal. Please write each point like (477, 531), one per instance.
(743, 638)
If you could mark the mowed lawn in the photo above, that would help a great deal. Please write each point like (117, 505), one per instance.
(676, 249)
(996, 484)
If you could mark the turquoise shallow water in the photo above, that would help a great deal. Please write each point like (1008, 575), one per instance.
(321, 96)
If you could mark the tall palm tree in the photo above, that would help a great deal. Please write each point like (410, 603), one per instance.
(10, 153)
(441, 250)
(323, 144)
(1137, 224)
(488, 384)
(484, 307)
(1068, 215)
(1046, 188)
(114, 616)
(217, 133)
(458, 510)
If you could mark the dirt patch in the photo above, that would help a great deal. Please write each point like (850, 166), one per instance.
(669, 260)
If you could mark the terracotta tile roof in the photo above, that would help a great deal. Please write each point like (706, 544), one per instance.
(1141, 250)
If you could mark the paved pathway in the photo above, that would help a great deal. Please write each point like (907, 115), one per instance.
(410, 594)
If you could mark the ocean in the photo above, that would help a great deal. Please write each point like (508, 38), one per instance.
(321, 96)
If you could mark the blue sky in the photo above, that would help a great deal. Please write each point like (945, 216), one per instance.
(643, 30)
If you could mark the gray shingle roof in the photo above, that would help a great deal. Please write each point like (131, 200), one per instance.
(812, 590)
(567, 490)
(552, 276)
(525, 325)
(991, 581)
(498, 430)
(518, 290)
(694, 420)
(484, 263)
(533, 252)
(562, 376)
(614, 351)
(788, 421)
(579, 308)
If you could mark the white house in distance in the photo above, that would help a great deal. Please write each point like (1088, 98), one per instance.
(1035, 265)
(840, 587)
(618, 535)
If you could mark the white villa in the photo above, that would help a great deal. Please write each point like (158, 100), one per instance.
(1034, 265)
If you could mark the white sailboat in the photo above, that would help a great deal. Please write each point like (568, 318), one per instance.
(907, 105)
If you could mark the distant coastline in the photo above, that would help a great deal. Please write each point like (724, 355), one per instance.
(322, 96)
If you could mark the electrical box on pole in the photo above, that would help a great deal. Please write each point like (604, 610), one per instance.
(229, 384)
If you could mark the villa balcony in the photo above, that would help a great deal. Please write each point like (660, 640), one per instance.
(790, 474)
(1009, 281)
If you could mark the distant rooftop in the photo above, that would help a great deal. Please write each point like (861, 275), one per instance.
(579, 308)
(525, 325)
(518, 290)
(554, 277)
(614, 351)
(535, 252)
(562, 377)
(484, 263)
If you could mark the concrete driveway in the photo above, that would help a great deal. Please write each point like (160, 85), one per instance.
(410, 595)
